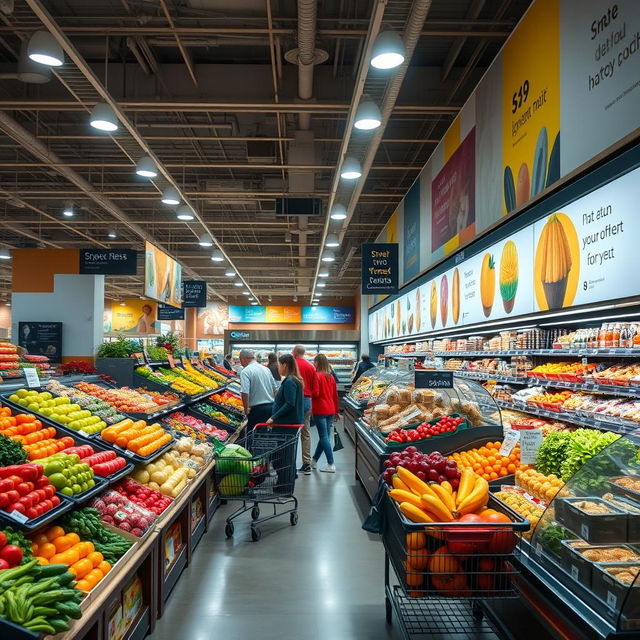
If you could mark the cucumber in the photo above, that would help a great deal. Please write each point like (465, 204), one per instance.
(59, 624)
(52, 570)
(70, 609)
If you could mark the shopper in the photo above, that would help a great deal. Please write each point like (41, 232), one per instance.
(288, 407)
(324, 407)
(364, 365)
(226, 363)
(308, 375)
(272, 365)
(257, 388)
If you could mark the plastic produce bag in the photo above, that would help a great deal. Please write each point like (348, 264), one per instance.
(117, 510)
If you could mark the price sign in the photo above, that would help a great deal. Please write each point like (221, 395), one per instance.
(530, 441)
(434, 379)
(510, 440)
(31, 375)
(18, 517)
(584, 361)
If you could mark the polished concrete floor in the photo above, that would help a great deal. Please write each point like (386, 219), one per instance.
(320, 580)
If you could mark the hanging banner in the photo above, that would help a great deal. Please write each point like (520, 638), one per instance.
(194, 293)
(162, 276)
(109, 262)
(167, 312)
(380, 268)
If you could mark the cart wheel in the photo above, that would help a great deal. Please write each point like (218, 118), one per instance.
(389, 610)
(256, 534)
(255, 513)
(293, 518)
(228, 530)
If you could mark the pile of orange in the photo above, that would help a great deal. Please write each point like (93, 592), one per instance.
(487, 461)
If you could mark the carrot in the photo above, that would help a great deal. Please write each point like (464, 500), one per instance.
(140, 441)
(148, 449)
(24, 417)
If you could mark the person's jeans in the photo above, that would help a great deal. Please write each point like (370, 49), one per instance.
(258, 414)
(325, 427)
(305, 436)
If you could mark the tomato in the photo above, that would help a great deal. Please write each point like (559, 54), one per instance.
(11, 554)
(4, 564)
(494, 516)
(3, 539)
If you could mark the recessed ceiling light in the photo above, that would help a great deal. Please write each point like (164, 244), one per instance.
(321, 284)
(238, 283)
(328, 256)
(217, 255)
(229, 273)
(184, 213)
(146, 167)
(205, 241)
(388, 50)
(112, 233)
(338, 212)
(5, 254)
(323, 273)
(368, 116)
(43, 48)
(170, 196)
(351, 169)
(103, 117)
(332, 240)
(67, 210)
(8, 303)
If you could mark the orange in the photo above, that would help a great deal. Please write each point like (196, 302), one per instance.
(418, 560)
(62, 543)
(511, 468)
(493, 475)
(416, 540)
(414, 579)
(486, 476)
(54, 532)
(46, 550)
(491, 460)
(74, 537)
(502, 472)
(496, 467)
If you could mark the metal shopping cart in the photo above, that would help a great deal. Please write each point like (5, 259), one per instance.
(267, 477)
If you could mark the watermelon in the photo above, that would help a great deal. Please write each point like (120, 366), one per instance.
(234, 459)
(233, 484)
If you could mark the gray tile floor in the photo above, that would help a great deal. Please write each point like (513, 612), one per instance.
(322, 579)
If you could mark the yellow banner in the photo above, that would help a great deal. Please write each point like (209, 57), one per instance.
(135, 316)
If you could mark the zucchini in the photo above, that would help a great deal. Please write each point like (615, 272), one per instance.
(69, 609)
(59, 624)
(65, 579)
(52, 570)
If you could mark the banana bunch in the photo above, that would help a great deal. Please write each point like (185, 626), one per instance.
(422, 502)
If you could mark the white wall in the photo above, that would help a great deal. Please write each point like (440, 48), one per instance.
(77, 302)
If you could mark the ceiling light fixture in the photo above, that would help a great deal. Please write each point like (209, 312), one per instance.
(123, 303)
(43, 48)
(245, 293)
(251, 299)
(328, 256)
(321, 285)
(368, 116)
(217, 255)
(205, 240)
(103, 118)
(30, 71)
(351, 169)
(332, 241)
(238, 283)
(229, 273)
(323, 273)
(5, 254)
(112, 233)
(67, 210)
(170, 196)
(146, 167)
(254, 304)
(314, 304)
(388, 50)
(338, 212)
(184, 213)
(318, 294)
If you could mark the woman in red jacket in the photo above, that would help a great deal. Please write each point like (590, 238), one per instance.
(324, 406)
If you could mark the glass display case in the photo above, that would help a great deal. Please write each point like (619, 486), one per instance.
(261, 350)
(371, 384)
(342, 358)
(585, 545)
(311, 350)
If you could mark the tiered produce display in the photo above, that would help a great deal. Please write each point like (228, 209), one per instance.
(126, 400)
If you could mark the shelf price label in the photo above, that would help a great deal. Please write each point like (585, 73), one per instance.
(530, 441)
(32, 378)
(509, 442)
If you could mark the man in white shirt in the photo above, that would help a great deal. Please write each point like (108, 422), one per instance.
(257, 389)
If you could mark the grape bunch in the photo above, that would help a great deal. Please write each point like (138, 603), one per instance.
(432, 467)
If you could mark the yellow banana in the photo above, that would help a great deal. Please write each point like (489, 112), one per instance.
(414, 514)
(398, 484)
(467, 480)
(477, 499)
(447, 485)
(406, 496)
(436, 507)
(412, 481)
(445, 496)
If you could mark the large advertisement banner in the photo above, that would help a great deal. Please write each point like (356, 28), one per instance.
(291, 315)
(411, 255)
(135, 316)
(162, 276)
(580, 254)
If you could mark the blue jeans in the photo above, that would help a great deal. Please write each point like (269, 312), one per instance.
(325, 426)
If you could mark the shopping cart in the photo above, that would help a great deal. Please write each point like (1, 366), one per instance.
(267, 477)
(447, 570)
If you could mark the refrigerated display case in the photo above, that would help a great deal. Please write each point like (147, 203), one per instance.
(342, 358)
(402, 406)
(311, 350)
(261, 350)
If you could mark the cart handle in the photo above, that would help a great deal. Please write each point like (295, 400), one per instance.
(273, 424)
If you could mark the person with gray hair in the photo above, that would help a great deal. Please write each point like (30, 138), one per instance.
(257, 388)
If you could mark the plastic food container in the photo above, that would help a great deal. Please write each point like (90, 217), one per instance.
(594, 528)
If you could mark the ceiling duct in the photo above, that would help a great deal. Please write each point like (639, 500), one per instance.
(261, 151)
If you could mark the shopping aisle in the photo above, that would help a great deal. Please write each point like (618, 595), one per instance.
(321, 579)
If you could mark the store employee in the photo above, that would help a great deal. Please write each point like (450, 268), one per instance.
(257, 388)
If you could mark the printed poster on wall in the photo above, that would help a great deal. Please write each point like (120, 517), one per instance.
(411, 254)
(41, 339)
(213, 320)
(135, 316)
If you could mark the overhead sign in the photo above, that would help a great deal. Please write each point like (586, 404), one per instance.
(167, 312)
(328, 315)
(41, 339)
(580, 254)
(434, 379)
(162, 276)
(291, 315)
(194, 293)
(380, 268)
(240, 335)
(108, 262)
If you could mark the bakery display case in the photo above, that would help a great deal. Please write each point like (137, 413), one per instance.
(404, 415)
(342, 358)
(585, 547)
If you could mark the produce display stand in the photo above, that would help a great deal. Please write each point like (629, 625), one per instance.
(353, 412)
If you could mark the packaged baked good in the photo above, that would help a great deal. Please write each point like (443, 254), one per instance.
(404, 397)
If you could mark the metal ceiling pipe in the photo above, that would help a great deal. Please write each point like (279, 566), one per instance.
(307, 15)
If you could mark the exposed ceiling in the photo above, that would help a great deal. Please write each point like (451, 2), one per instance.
(240, 102)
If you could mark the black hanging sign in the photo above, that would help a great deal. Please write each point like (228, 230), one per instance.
(168, 312)
(194, 293)
(379, 268)
(108, 262)
(434, 379)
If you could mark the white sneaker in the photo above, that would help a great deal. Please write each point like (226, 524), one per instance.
(314, 464)
(330, 468)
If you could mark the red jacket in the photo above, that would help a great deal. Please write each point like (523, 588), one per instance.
(308, 375)
(325, 395)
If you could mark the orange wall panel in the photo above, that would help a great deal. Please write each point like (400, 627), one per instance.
(33, 269)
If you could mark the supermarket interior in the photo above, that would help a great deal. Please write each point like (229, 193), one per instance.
(311, 323)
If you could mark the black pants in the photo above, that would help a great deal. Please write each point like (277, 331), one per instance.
(258, 414)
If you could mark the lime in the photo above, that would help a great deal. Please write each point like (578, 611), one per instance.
(66, 491)
(58, 480)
